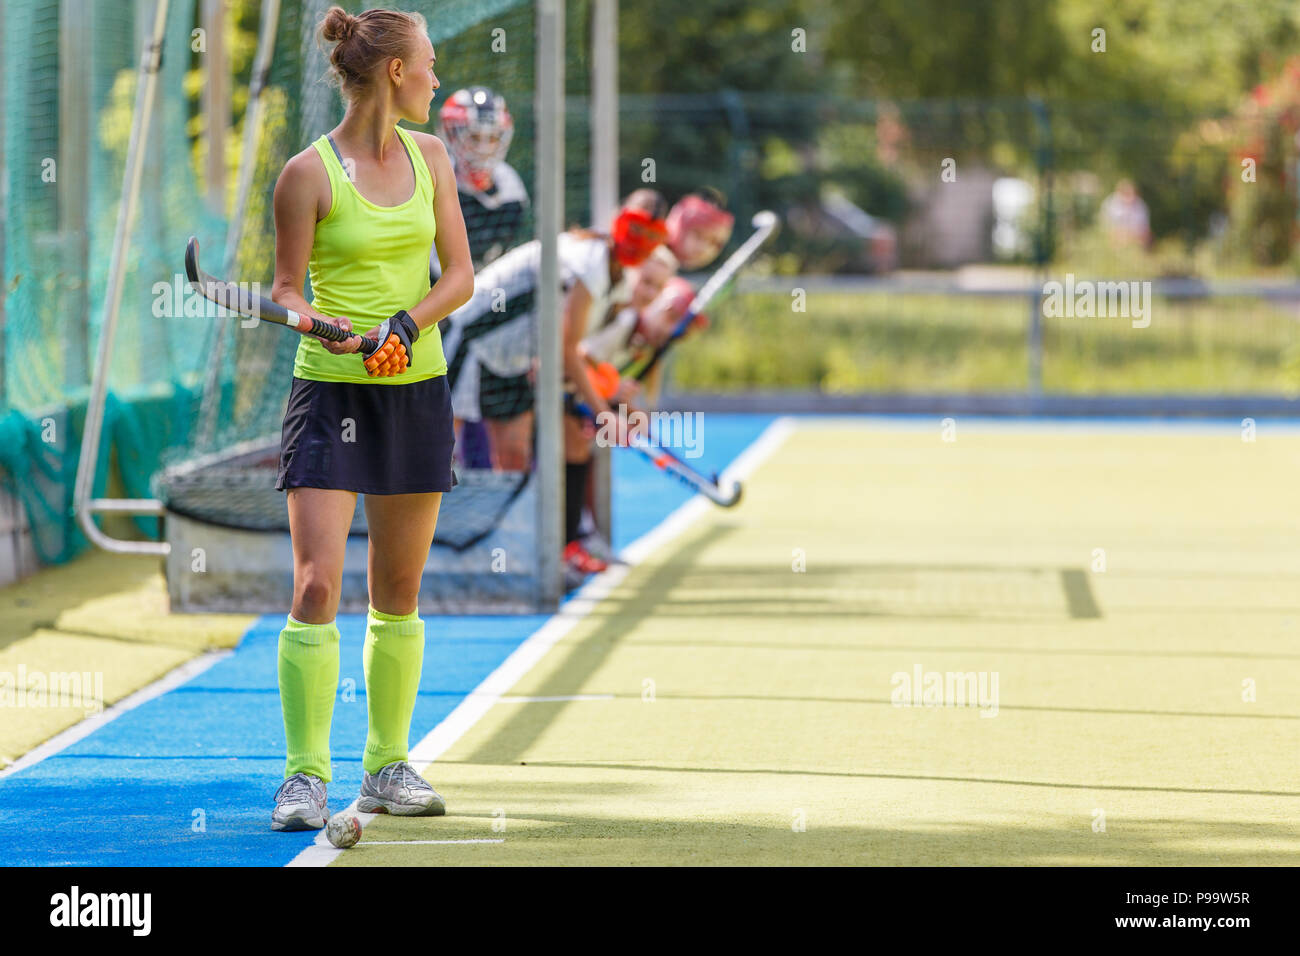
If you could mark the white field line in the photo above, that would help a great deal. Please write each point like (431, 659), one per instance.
(424, 842)
(928, 422)
(84, 728)
(552, 700)
(510, 671)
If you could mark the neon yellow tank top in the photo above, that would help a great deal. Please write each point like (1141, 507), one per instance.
(367, 263)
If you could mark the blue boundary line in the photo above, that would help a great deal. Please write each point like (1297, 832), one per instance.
(186, 778)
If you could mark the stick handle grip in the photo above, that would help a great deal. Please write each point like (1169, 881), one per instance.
(332, 332)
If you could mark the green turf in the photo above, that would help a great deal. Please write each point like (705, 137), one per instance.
(103, 613)
(771, 737)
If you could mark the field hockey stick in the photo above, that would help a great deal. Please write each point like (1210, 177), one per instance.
(765, 224)
(670, 464)
(242, 301)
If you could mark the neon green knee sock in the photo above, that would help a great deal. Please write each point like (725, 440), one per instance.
(309, 678)
(393, 656)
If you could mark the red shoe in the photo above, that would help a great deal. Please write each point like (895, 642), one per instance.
(578, 558)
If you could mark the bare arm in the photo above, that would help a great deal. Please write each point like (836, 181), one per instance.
(649, 390)
(298, 196)
(456, 284)
(576, 306)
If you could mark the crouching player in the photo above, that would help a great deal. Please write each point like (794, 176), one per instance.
(699, 228)
(491, 342)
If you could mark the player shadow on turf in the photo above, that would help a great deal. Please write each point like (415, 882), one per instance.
(931, 590)
(652, 586)
(571, 838)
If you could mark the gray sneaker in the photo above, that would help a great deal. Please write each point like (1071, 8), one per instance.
(573, 578)
(300, 804)
(598, 547)
(399, 790)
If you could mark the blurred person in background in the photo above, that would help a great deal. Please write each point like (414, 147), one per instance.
(492, 344)
(1126, 217)
(630, 326)
(699, 228)
(477, 128)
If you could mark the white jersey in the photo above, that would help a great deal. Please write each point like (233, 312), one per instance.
(612, 341)
(497, 328)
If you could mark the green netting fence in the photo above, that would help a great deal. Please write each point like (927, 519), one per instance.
(63, 162)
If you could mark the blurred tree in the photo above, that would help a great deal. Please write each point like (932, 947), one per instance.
(1199, 54)
(703, 46)
(1120, 102)
(916, 49)
(695, 77)
(1264, 181)
(771, 100)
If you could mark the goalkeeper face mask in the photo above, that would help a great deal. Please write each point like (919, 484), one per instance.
(477, 128)
(636, 233)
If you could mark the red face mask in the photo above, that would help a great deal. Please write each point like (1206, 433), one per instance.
(636, 233)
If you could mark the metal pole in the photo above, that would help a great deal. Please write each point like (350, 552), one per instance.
(210, 402)
(741, 155)
(1035, 342)
(4, 217)
(549, 190)
(75, 32)
(604, 111)
(216, 103)
(1046, 244)
(83, 505)
(604, 198)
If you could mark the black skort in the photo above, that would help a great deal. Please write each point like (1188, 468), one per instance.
(371, 439)
(504, 397)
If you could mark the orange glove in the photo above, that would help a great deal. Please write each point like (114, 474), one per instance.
(604, 379)
(394, 356)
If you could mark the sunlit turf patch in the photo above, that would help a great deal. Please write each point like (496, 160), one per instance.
(750, 664)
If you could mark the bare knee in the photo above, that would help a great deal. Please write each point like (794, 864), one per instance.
(511, 442)
(316, 597)
(513, 457)
(398, 594)
(511, 451)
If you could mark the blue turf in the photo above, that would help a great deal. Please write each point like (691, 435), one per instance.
(211, 752)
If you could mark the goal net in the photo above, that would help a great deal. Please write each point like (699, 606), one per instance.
(195, 402)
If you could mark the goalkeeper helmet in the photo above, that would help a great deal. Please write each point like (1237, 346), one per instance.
(477, 129)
